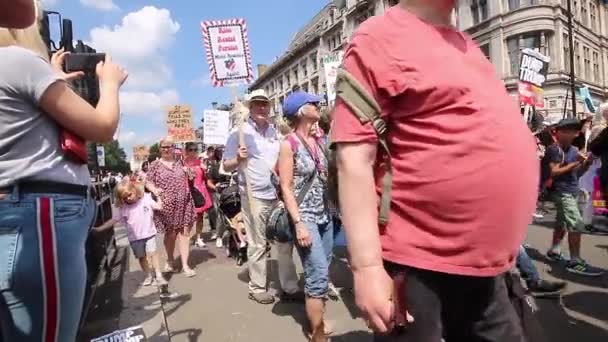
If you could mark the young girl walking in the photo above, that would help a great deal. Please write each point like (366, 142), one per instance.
(135, 212)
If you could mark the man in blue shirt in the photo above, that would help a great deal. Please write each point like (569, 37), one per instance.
(566, 162)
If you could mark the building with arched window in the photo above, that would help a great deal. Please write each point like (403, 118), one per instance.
(504, 27)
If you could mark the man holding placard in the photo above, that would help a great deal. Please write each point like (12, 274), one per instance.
(254, 149)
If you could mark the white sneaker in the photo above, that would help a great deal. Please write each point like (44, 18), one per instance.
(214, 236)
(200, 243)
(243, 244)
(219, 243)
(169, 268)
(148, 281)
(160, 280)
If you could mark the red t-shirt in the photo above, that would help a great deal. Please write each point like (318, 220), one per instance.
(465, 171)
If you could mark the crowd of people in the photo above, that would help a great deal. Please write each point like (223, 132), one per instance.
(429, 170)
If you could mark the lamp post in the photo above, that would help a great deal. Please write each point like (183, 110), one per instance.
(572, 74)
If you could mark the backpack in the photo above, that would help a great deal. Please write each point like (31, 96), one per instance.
(367, 110)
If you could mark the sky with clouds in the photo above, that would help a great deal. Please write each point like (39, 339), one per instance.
(160, 44)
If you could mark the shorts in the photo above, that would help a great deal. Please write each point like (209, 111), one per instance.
(144, 247)
(568, 213)
(454, 307)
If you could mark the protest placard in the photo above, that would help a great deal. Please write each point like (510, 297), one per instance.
(228, 52)
(533, 69)
(179, 123)
(331, 63)
(216, 127)
(141, 153)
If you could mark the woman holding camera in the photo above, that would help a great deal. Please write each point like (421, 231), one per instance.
(46, 202)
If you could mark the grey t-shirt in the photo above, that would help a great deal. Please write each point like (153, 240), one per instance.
(29, 139)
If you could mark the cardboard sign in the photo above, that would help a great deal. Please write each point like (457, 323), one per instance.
(228, 52)
(179, 123)
(141, 153)
(216, 127)
(133, 334)
(331, 63)
(533, 67)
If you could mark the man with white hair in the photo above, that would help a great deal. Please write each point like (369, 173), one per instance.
(253, 148)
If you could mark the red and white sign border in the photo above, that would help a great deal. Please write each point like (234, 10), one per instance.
(205, 25)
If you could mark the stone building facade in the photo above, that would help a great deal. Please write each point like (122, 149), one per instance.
(325, 35)
(504, 27)
(501, 27)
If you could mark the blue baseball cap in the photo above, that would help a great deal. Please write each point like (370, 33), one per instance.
(296, 100)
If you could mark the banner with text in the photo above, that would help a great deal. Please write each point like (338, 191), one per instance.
(533, 69)
(331, 63)
(216, 127)
(228, 52)
(133, 334)
(179, 123)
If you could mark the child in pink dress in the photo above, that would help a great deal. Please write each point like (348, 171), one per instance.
(135, 211)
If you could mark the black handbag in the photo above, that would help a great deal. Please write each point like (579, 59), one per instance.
(197, 196)
(280, 227)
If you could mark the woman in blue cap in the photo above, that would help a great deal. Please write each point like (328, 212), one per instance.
(303, 172)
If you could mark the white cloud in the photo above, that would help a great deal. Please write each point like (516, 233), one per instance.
(147, 103)
(102, 5)
(140, 43)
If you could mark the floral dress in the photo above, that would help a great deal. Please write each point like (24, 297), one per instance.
(178, 213)
(314, 207)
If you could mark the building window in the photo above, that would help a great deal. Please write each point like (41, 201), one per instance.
(577, 57)
(593, 6)
(296, 76)
(596, 67)
(552, 103)
(515, 4)
(566, 45)
(513, 51)
(313, 62)
(479, 10)
(485, 48)
(574, 9)
(304, 66)
(585, 12)
(587, 62)
(517, 43)
(288, 80)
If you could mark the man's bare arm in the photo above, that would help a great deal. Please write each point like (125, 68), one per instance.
(17, 14)
(358, 203)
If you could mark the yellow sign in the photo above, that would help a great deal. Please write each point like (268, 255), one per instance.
(179, 123)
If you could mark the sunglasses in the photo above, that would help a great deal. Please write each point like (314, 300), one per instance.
(191, 150)
(165, 147)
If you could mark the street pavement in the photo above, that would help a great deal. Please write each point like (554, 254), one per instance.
(213, 306)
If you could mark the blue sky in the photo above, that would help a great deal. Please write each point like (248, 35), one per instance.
(160, 44)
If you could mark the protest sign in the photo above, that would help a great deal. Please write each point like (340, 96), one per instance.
(216, 127)
(331, 63)
(133, 334)
(179, 123)
(101, 156)
(228, 52)
(533, 69)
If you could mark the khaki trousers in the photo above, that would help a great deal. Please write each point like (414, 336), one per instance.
(255, 227)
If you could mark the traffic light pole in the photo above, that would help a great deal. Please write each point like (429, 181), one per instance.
(572, 72)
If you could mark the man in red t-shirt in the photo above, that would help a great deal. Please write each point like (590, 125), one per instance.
(465, 177)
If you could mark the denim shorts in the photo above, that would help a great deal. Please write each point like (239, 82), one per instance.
(42, 265)
(144, 247)
(316, 259)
